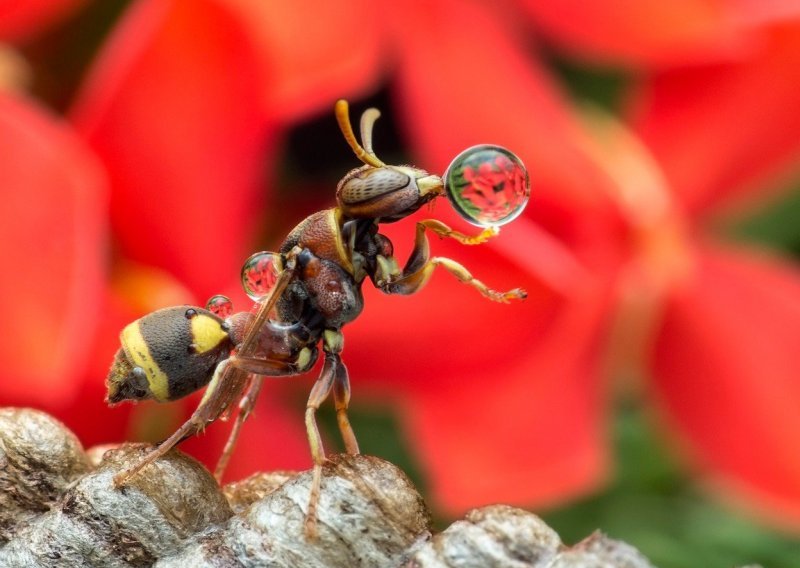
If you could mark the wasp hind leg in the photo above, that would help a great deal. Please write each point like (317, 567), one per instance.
(225, 387)
(246, 405)
(258, 369)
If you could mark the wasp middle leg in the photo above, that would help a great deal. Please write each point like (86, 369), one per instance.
(334, 377)
(293, 353)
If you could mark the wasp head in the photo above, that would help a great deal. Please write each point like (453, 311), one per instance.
(387, 193)
(376, 190)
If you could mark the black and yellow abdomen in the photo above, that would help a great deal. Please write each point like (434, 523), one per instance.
(168, 354)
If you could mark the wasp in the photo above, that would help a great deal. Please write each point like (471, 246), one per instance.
(315, 291)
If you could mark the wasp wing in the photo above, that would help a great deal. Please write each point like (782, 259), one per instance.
(228, 386)
(225, 388)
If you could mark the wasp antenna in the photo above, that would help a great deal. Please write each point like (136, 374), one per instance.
(343, 118)
(367, 122)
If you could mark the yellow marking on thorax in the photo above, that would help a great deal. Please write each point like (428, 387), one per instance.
(344, 256)
(135, 346)
(207, 333)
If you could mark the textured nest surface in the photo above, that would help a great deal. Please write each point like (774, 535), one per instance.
(59, 507)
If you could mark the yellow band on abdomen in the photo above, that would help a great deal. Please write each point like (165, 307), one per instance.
(207, 333)
(136, 348)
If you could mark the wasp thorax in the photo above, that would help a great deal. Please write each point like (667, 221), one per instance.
(387, 192)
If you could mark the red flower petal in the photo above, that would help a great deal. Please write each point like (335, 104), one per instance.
(430, 339)
(52, 253)
(312, 52)
(728, 375)
(528, 428)
(437, 348)
(523, 376)
(474, 85)
(726, 131)
(21, 19)
(653, 32)
(173, 107)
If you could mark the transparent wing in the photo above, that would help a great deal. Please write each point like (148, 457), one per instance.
(232, 381)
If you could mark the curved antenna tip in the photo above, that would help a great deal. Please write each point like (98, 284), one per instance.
(342, 112)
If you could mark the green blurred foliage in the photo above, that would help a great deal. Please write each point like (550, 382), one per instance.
(378, 433)
(595, 85)
(651, 501)
(777, 225)
(652, 505)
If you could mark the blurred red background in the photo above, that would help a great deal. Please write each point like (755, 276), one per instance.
(148, 147)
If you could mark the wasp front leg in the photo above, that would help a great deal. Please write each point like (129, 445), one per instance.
(446, 232)
(420, 267)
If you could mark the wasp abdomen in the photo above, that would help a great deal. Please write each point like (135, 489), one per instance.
(168, 354)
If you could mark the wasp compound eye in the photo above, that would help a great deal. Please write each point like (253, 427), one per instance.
(487, 185)
(219, 305)
(259, 274)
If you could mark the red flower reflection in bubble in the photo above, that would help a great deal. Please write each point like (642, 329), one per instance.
(496, 189)
(503, 403)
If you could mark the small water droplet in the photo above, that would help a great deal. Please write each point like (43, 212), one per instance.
(220, 306)
(487, 185)
(259, 274)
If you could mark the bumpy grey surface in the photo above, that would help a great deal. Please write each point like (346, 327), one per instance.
(39, 457)
(97, 524)
(369, 513)
(59, 508)
(500, 536)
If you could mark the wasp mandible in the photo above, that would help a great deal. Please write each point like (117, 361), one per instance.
(307, 291)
